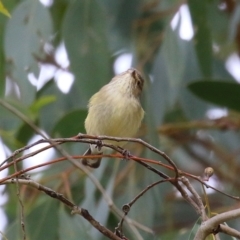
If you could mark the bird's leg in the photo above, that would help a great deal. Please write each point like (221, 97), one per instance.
(126, 154)
(99, 145)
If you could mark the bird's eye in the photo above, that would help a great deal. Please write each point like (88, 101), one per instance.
(138, 79)
(140, 84)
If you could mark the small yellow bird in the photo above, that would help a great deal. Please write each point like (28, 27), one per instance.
(115, 110)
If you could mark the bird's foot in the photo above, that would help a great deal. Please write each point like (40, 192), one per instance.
(99, 145)
(126, 154)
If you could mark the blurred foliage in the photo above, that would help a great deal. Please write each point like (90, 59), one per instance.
(3, 10)
(213, 91)
(177, 71)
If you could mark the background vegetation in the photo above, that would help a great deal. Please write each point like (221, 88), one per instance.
(177, 71)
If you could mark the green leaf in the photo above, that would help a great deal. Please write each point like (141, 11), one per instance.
(203, 39)
(173, 53)
(13, 230)
(41, 102)
(123, 14)
(2, 72)
(193, 107)
(51, 113)
(84, 33)
(26, 33)
(58, 11)
(126, 12)
(168, 70)
(72, 227)
(71, 124)
(20, 108)
(24, 133)
(195, 229)
(234, 22)
(9, 4)
(8, 120)
(45, 217)
(226, 94)
(3, 10)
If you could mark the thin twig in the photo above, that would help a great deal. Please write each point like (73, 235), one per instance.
(126, 207)
(212, 225)
(75, 209)
(21, 204)
(109, 201)
(149, 146)
(63, 140)
(197, 198)
(229, 231)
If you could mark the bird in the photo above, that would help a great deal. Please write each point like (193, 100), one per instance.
(115, 110)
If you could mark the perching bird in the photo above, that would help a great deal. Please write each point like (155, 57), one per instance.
(115, 110)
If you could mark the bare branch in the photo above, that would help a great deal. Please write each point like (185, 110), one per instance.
(21, 204)
(197, 198)
(126, 207)
(75, 209)
(229, 231)
(195, 202)
(92, 141)
(149, 146)
(212, 225)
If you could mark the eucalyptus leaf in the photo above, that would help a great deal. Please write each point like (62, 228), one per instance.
(12, 232)
(72, 227)
(2, 64)
(47, 221)
(234, 21)
(192, 107)
(71, 124)
(9, 5)
(194, 229)
(52, 112)
(3, 10)
(41, 102)
(8, 120)
(174, 57)
(203, 39)
(26, 33)
(84, 32)
(24, 133)
(225, 94)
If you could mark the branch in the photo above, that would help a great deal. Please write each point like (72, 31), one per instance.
(222, 123)
(126, 207)
(196, 197)
(212, 225)
(229, 231)
(149, 146)
(58, 141)
(132, 224)
(75, 209)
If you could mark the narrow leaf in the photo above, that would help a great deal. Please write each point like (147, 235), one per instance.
(71, 124)
(26, 32)
(3, 10)
(84, 32)
(203, 38)
(226, 94)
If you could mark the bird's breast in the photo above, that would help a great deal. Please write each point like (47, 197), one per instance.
(118, 116)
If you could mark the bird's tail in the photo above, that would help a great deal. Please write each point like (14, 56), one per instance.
(94, 162)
